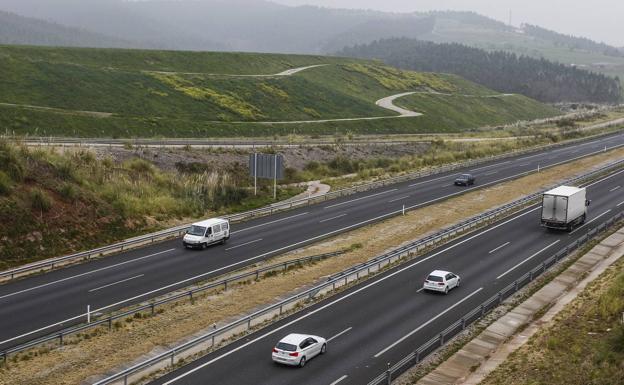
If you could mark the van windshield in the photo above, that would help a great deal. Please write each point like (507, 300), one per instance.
(197, 230)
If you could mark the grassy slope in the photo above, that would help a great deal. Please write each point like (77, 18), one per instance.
(189, 100)
(585, 345)
(54, 203)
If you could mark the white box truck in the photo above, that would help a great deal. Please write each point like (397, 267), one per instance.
(564, 207)
(204, 233)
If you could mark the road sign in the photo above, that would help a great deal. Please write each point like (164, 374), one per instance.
(266, 166)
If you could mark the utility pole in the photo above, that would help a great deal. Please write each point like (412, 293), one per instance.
(255, 173)
(275, 180)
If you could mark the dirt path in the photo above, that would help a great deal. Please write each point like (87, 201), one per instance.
(96, 114)
(388, 103)
(288, 72)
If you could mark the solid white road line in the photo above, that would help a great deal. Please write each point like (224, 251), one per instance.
(527, 259)
(603, 179)
(332, 218)
(615, 188)
(398, 199)
(83, 274)
(524, 164)
(338, 380)
(491, 173)
(338, 300)
(499, 247)
(430, 180)
(116, 283)
(419, 290)
(243, 244)
(620, 204)
(268, 223)
(339, 334)
(588, 222)
(491, 165)
(427, 323)
(360, 198)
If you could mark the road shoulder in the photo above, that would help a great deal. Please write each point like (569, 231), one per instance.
(471, 364)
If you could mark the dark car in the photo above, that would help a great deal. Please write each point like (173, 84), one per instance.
(464, 180)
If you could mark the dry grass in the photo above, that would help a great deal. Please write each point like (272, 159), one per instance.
(105, 351)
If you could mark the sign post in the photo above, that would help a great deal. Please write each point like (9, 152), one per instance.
(266, 166)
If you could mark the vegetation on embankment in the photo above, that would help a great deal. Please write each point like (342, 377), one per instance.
(131, 93)
(503, 71)
(584, 345)
(54, 203)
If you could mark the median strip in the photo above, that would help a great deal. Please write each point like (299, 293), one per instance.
(139, 337)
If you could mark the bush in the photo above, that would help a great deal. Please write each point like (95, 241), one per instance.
(40, 200)
(140, 166)
(11, 162)
(68, 191)
(5, 184)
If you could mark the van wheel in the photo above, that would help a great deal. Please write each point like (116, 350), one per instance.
(204, 245)
(223, 241)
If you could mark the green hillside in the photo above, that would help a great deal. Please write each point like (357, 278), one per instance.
(458, 27)
(131, 93)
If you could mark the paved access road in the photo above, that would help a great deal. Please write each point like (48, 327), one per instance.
(384, 319)
(41, 304)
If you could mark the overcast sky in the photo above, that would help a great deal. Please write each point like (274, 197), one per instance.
(601, 20)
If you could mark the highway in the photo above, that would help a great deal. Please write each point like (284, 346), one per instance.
(382, 320)
(44, 303)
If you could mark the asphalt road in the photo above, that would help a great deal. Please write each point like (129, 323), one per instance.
(44, 303)
(382, 320)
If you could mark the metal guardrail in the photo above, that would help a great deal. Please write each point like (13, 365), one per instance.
(213, 339)
(480, 311)
(108, 319)
(268, 210)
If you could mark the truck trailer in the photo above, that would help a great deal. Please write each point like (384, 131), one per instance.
(564, 208)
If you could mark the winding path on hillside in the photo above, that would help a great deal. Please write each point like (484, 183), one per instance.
(288, 72)
(386, 103)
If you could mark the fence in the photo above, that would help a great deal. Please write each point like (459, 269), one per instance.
(108, 319)
(268, 210)
(477, 313)
(213, 339)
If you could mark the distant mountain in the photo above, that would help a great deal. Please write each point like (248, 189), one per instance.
(264, 26)
(15, 29)
(129, 21)
(572, 42)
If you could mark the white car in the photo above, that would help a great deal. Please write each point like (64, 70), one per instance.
(297, 349)
(440, 280)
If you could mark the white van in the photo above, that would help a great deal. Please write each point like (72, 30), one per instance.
(204, 233)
